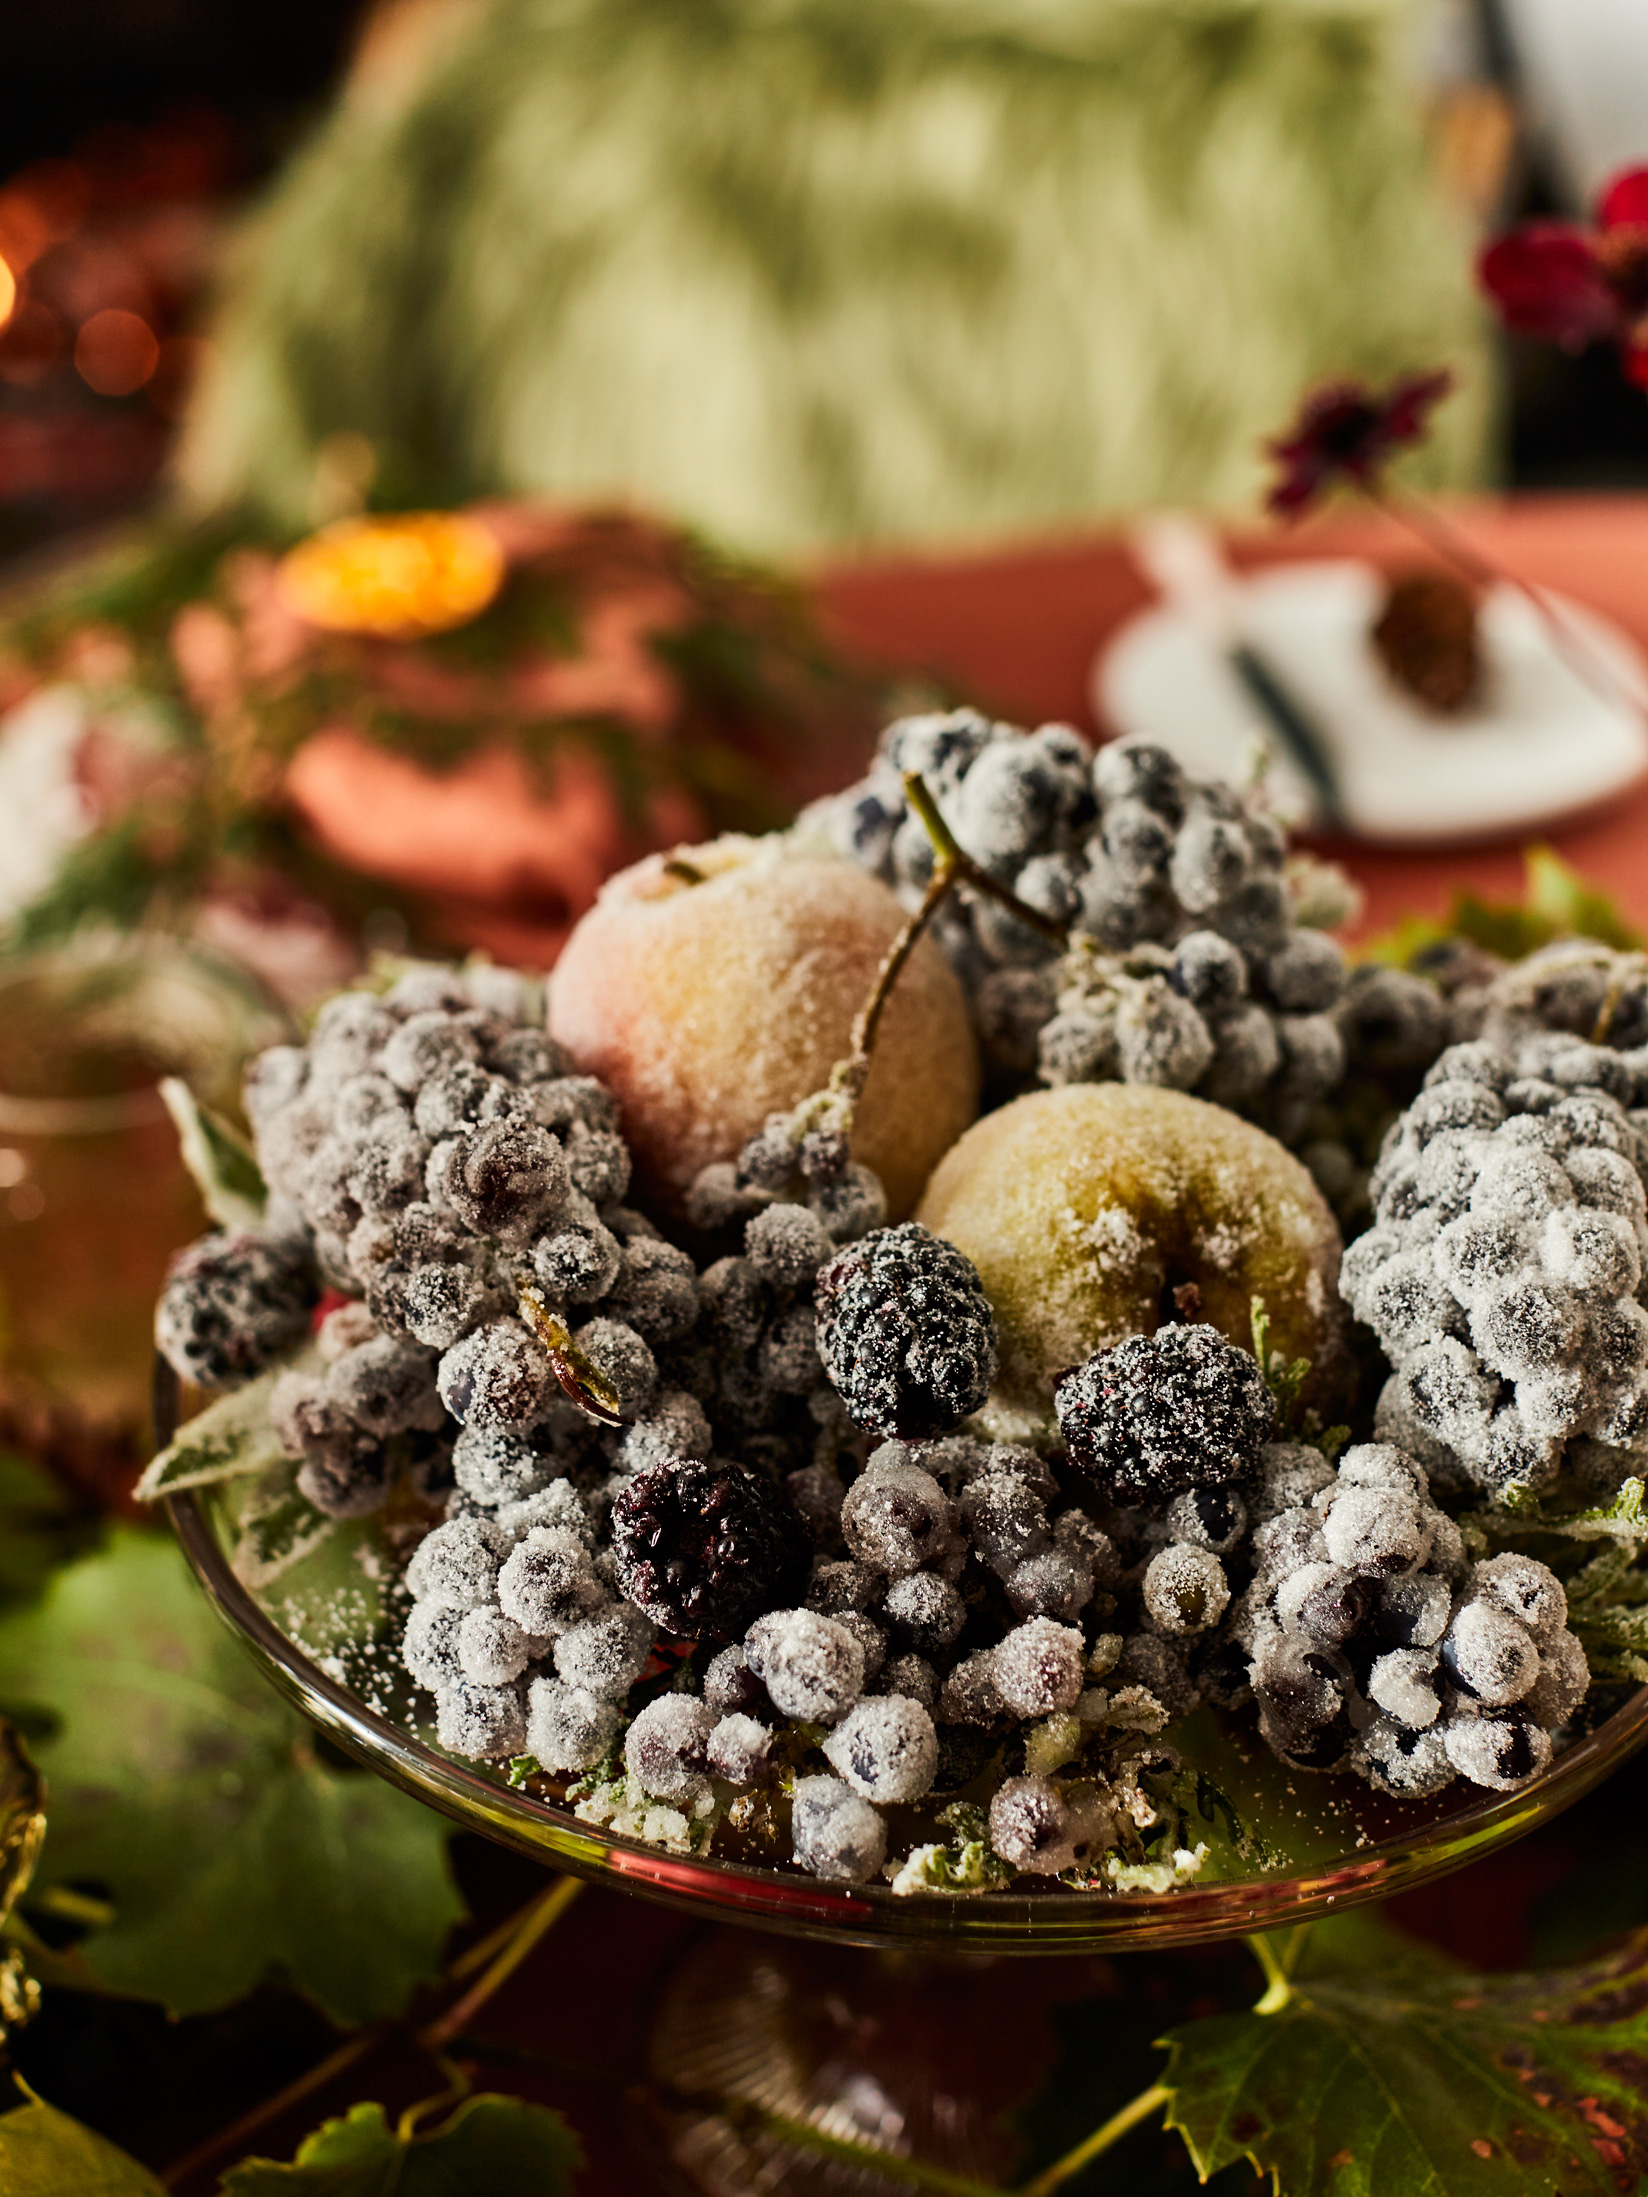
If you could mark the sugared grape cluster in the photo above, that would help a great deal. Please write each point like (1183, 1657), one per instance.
(1196, 960)
(1376, 1646)
(1503, 1269)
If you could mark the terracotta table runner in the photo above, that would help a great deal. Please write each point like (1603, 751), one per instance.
(1019, 626)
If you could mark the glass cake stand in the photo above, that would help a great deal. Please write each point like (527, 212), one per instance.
(1322, 1843)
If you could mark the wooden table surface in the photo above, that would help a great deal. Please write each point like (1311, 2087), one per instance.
(1019, 626)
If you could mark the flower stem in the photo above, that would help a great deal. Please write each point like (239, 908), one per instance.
(1119, 2124)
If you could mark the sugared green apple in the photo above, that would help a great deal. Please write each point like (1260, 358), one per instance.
(1084, 1208)
(713, 987)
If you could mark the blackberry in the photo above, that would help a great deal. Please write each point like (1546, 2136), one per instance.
(704, 1549)
(1156, 1415)
(905, 1332)
(231, 1306)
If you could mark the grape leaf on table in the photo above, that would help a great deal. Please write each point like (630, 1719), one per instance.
(496, 2146)
(1403, 2079)
(182, 1785)
(45, 2154)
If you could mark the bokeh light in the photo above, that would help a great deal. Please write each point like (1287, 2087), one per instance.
(8, 293)
(116, 352)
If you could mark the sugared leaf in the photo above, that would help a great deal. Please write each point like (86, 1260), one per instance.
(183, 1786)
(231, 1436)
(1403, 2080)
(228, 1177)
(496, 2146)
(45, 2154)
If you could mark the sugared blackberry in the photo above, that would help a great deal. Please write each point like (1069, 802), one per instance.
(704, 1549)
(1156, 1415)
(232, 1304)
(905, 1332)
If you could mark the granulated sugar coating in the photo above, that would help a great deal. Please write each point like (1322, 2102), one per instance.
(769, 1525)
(706, 1007)
(1083, 1208)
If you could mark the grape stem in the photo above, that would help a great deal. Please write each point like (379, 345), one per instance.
(952, 866)
(498, 1956)
(1119, 2125)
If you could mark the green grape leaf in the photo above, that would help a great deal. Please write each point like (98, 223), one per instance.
(1556, 903)
(230, 1437)
(193, 1799)
(45, 2154)
(229, 1180)
(498, 2146)
(1573, 909)
(1407, 2080)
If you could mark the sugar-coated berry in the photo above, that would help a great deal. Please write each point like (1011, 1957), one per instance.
(1037, 1667)
(896, 1518)
(493, 1465)
(1500, 1751)
(811, 1666)
(457, 1563)
(568, 1730)
(1185, 1588)
(787, 1244)
(1404, 1761)
(1563, 1682)
(604, 1655)
(886, 1749)
(1407, 1684)
(836, 1834)
(664, 1748)
(925, 1611)
(1529, 1590)
(499, 1376)
(731, 1688)
(429, 1645)
(233, 1303)
(623, 1359)
(738, 1749)
(1154, 1416)
(905, 1331)
(1212, 1518)
(546, 1582)
(492, 1648)
(486, 1723)
(703, 1549)
(1489, 1655)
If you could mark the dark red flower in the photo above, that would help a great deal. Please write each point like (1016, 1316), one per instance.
(1348, 432)
(1568, 284)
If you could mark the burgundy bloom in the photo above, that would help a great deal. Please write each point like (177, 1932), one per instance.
(1348, 432)
(1568, 284)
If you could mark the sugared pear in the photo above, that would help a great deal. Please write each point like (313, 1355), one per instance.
(718, 985)
(1084, 1209)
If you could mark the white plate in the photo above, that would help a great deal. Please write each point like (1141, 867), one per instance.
(1545, 741)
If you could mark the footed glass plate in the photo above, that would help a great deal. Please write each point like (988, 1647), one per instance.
(1281, 1846)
